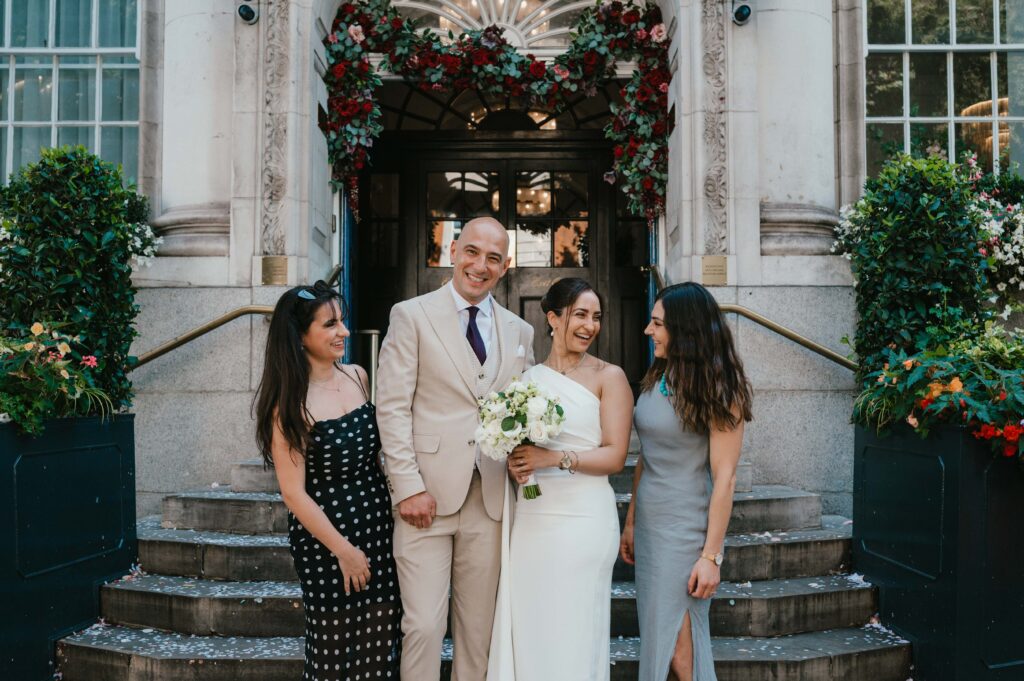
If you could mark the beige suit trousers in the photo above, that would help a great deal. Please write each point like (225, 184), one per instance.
(460, 552)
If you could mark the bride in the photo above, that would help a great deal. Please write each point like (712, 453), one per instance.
(552, 618)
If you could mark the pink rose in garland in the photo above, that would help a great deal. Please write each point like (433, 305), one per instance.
(614, 30)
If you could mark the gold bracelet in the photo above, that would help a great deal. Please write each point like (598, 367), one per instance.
(575, 464)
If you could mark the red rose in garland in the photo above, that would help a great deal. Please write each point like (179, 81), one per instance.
(483, 59)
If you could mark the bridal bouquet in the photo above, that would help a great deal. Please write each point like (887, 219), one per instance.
(523, 413)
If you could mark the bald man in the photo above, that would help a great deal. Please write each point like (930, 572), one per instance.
(444, 350)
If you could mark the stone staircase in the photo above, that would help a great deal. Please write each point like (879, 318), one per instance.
(218, 599)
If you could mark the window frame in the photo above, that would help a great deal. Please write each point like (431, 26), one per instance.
(949, 49)
(9, 57)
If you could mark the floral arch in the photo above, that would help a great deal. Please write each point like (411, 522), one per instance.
(484, 58)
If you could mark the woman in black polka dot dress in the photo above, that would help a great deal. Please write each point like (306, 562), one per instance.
(317, 427)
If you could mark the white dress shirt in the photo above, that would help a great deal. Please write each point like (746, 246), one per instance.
(484, 318)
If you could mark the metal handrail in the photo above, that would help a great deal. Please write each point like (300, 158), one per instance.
(774, 326)
(202, 330)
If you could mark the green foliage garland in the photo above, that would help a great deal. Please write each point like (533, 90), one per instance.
(608, 32)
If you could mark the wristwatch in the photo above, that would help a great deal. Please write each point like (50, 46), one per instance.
(716, 558)
(566, 462)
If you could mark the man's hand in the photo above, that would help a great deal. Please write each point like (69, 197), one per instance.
(418, 510)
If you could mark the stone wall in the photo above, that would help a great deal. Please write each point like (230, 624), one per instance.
(801, 435)
(192, 405)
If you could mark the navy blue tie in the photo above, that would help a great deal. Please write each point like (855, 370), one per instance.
(476, 341)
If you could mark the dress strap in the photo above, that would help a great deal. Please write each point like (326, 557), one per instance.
(356, 380)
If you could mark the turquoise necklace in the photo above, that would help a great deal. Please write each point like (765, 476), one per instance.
(663, 387)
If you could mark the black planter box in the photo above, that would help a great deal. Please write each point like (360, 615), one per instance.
(938, 526)
(67, 525)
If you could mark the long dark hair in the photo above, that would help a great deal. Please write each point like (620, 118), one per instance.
(563, 294)
(281, 396)
(703, 372)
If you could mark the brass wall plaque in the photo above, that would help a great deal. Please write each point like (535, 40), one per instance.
(714, 270)
(275, 270)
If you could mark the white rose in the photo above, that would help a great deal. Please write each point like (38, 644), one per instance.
(553, 429)
(535, 407)
(538, 433)
(497, 410)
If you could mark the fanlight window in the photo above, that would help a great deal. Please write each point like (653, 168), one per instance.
(408, 108)
(541, 26)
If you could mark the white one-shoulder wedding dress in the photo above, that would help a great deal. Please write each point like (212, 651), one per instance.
(558, 550)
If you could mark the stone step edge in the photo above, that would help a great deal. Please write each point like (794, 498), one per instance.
(833, 528)
(152, 643)
(199, 588)
(249, 474)
(225, 493)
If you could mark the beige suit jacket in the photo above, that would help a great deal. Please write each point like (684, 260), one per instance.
(427, 401)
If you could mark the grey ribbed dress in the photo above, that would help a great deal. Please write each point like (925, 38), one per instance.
(671, 524)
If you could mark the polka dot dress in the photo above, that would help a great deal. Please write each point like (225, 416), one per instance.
(356, 636)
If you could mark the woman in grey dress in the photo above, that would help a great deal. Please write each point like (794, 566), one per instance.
(695, 399)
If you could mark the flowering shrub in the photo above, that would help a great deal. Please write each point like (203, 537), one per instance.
(71, 233)
(977, 383)
(912, 240)
(1002, 244)
(45, 375)
(482, 59)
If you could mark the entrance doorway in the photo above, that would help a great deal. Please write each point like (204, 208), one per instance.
(545, 186)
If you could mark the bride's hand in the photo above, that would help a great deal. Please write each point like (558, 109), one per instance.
(525, 459)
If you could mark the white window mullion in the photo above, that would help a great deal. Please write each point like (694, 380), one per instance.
(94, 32)
(98, 107)
(950, 113)
(953, 37)
(993, 66)
(7, 24)
(908, 25)
(53, 101)
(9, 161)
(906, 100)
(51, 29)
(996, 22)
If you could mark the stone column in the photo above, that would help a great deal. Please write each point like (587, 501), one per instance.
(194, 215)
(797, 126)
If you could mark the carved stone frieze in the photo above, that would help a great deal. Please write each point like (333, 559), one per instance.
(275, 124)
(714, 21)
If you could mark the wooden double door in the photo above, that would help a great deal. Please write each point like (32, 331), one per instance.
(547, 189)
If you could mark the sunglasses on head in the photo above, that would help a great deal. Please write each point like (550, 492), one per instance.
(315, 291)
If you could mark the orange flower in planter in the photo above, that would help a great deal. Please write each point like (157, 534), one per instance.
(956, 385)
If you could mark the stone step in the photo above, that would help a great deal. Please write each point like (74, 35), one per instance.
(765, 508)
(237, 557)
(205, 607)
(251, 476)
(113, 653)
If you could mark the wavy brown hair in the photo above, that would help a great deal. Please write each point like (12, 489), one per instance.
(703, 372)
(281, 396)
